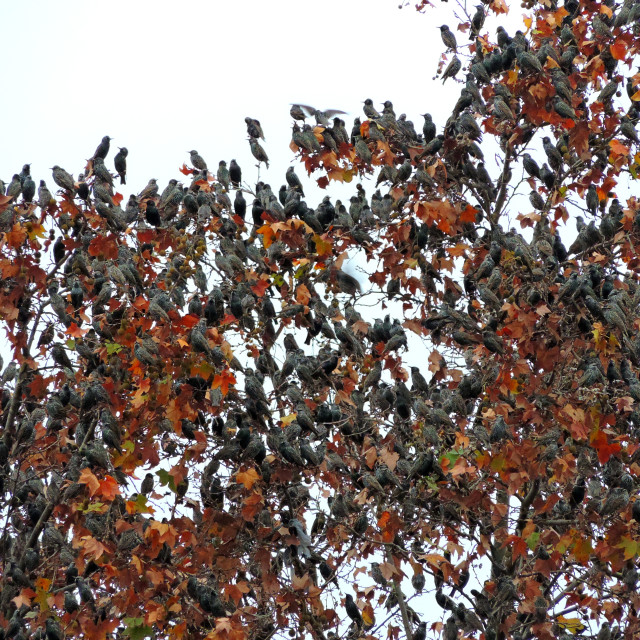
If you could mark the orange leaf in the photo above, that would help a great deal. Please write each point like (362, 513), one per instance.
(24, 598)
(86, 477)
(268, 236)
(618, 149)
(260, 287)
(16, 236)
(302, 294)
(247, 478)
(109, 488)
(619, 50)
(75, 331)
(92, 548)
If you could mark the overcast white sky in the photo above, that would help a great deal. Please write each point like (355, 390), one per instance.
(164, 77)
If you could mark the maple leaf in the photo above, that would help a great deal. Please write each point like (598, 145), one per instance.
(247, 478)
(92, 482)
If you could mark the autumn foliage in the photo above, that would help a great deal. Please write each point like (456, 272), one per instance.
(211, 429)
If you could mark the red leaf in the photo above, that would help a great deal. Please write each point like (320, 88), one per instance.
(75, 331)
(619, 50)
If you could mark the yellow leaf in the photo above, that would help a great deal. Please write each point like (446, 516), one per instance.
(572, 625)
(287, 420)
(368, 616)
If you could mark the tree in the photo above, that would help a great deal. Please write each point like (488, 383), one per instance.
(206, 433)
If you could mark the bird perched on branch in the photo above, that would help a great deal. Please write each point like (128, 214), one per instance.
(254, 130)
(448, 38)
(197, 161)
(258, 152)
(103, 148)
(120, 163)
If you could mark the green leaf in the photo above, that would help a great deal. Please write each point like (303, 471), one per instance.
(629, 546)
(113, 347)
(136, 629)
(166, 479)
(141, 504)
(532, 540)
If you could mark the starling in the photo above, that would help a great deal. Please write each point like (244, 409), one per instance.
(60, 357)
(502, 37)
(152, 215)
(197, 161)
(592, 200)
(44, 195)
(293, 181)
(547, 176)
(452, 69)
(369, 111)
(528, 62)
(600, 28)
(418, 581)
(120, 163)
(70, 603)
(258, 152)
(530, 166)
(85, 592)
(553, 155)
(53, 630)
(240, 205)
(629, 131)
(428, 128)
(479, 71)
(297, 113)
(362, 150)
(536, 200)
(376, 574)
(477, 22)
(150, 191)
(62, 178)
(235, 173)
(83, 188)
(103, 148)
(448, 38)
(222, 175)
(502, 109)
(77, 294)
(101, 172)
(28, 189)
(608, 91)
(347, 283)
(352, 610)
(419, 383)
(254, 130)
(563, 109)
(15, 186)
(617, 500)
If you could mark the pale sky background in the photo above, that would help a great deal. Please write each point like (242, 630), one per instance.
(162, 78)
